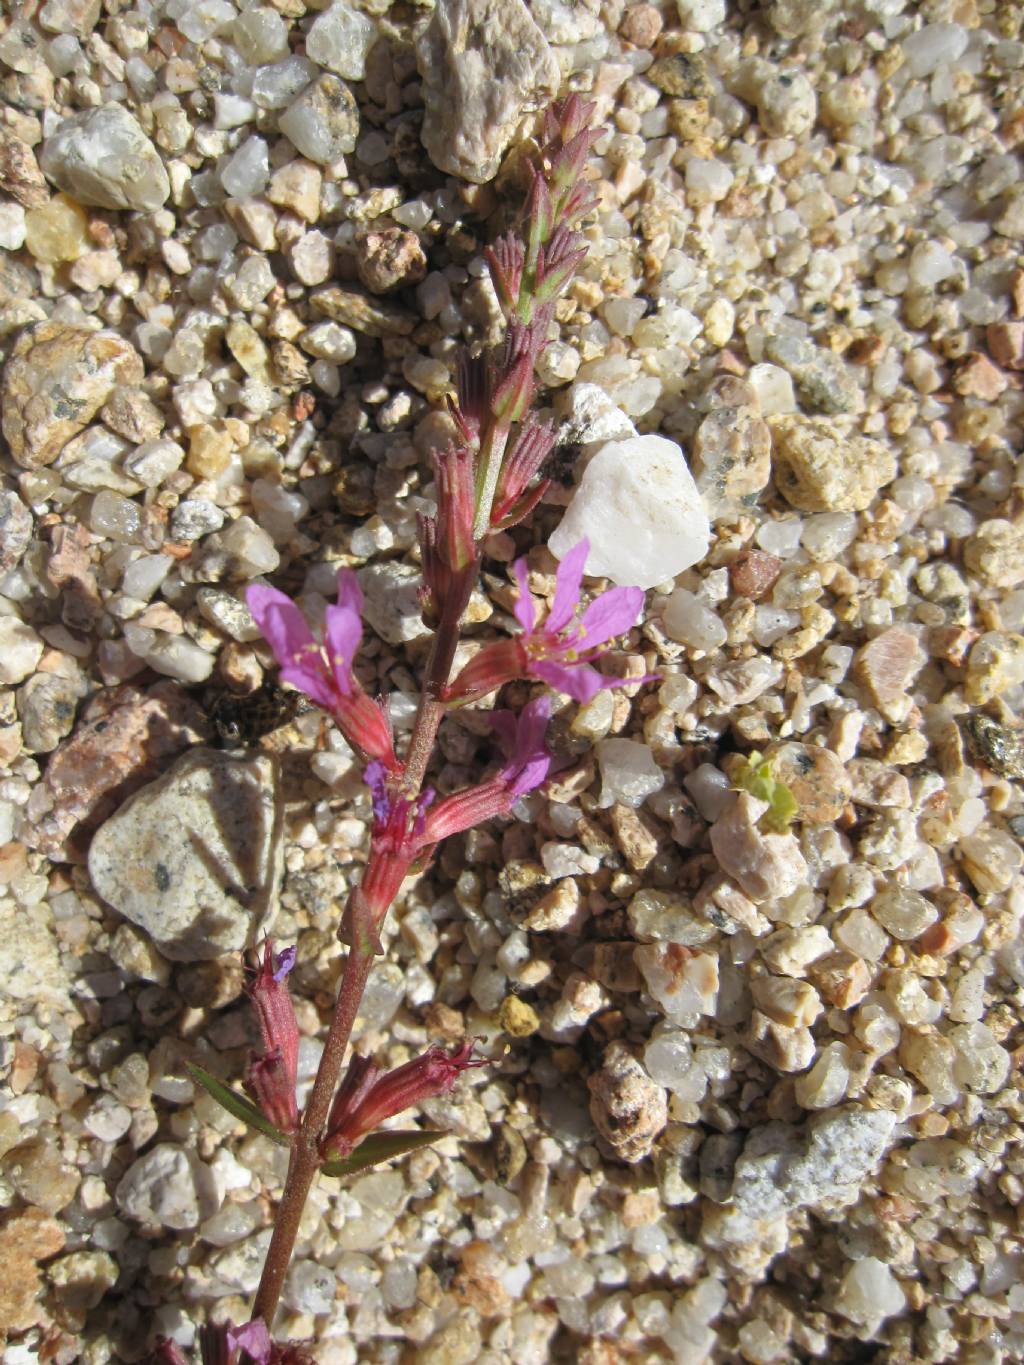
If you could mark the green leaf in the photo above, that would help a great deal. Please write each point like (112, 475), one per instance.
(754, 775)
(238, 1105)
(380, 1147)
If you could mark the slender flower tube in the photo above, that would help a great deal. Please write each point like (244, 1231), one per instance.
(273, 1073)
(367, 1096)
(405, 831)
(323, 670)
(558, 652)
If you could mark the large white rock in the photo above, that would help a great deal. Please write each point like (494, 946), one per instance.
(640, 509)
(102, 157)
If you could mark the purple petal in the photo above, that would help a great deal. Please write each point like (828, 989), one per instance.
(611, 614)
(524, 612)
(578, 681)
(281, 622)
(343, 631)
(375, 778)
(504, 725)
(253, 1338)
(530, 775)
(567, 588)
(285, 962)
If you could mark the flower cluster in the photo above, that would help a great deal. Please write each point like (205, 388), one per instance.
(489, 478)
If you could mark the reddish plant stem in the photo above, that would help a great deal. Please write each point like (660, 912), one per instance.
(439, 668)
(305, 1153)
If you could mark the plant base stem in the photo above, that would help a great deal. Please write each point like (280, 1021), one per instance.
(305, 1155)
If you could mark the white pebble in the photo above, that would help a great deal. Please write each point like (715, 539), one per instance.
(638, 505)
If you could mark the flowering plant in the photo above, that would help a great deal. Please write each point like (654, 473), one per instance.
(488, 481)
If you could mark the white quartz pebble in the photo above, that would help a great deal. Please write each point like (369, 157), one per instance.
(639, 507)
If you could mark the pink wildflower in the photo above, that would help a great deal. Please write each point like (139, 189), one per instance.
(273, 1073)
(560, 651)
(404, 832)
(367, 1096)
(323, 670)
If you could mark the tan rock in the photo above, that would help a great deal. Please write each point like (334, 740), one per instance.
(628, 1109)
(26, 1239)
(815, 776)
(977, 377)
(821, 468)
(994, 665)
(886, 666)
(767, 866)
(389, 259)
(1006, 342)
(996, 553)
(20, 175)
(56, 380)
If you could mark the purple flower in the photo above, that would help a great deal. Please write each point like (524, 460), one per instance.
(559, 651)
(324, 670)
(522, 738)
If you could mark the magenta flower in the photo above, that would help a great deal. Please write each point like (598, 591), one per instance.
(323, 670)
(560, 651)
(405, 831)
(522, 738)
(367, 1096)
(272, 1074)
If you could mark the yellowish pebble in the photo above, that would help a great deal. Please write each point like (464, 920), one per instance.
(57, 231)
(517, 1017)
(209, 452)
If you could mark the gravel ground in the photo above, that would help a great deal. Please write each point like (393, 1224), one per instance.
(755, 1090)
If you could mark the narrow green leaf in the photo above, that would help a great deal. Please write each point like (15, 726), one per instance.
(238, 1105)
(380, 1147)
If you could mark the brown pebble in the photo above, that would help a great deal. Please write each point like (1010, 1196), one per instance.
(1017, 293)
(390, 258)
(641, 25)
(977, 377)
(753, 572)
(25, 1239)
(1006, 344)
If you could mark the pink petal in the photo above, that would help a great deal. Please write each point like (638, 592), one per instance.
(252, 1338)
(578, 681)
(525, 614)
(343, 630)
(567, 588)
(611, 614)
(350, 594)
(281, 622)
(312, 679)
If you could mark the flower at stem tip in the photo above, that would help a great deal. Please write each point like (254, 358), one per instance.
(367, 1096)
(273, 1073)
(560, 650)
(323, 669)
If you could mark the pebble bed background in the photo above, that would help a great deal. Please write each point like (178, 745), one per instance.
(755, 1097)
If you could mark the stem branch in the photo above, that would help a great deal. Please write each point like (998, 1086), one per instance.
(305, 1154)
